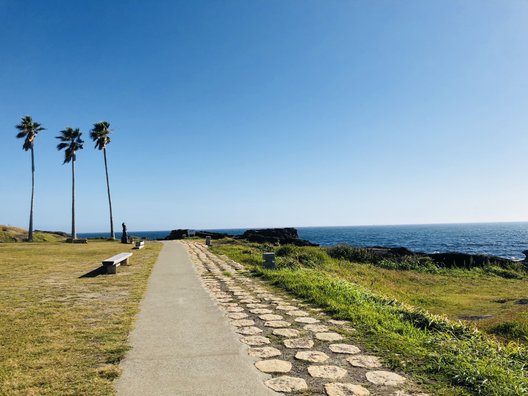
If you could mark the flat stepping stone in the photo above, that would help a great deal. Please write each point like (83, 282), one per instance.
(234, 309)
(337, 389)
(249, 301)
(277, 323)
(274, 366)
(331, 336)
(224, 300)
(287, 332)
(264, 352)
(331, 372)
(286, 308)
(271, 317)
(287, 384)
(316, 328)
(243, 322)
(260, 311)
(237, 315)
(297, 313)
(386, 378)
(312, 356)
(338, 322)
(255, 340)
(344, 348)
(364, 361)
(258, 305)
(306, 319)
(299, 343)
(251, 330)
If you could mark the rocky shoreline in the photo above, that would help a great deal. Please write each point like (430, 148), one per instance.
(274, 236)
(290, 236)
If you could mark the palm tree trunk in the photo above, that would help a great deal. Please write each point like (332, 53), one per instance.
(30, 231)
(73, 233)
(112, 234)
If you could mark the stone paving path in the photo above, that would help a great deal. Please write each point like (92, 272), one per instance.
(303, 349)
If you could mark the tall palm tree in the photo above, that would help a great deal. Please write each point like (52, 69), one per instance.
(100, 134)
(72, 142)
(29, 131)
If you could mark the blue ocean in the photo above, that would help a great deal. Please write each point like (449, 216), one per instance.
(498, 239)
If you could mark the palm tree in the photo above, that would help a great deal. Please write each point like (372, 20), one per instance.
(100, 134)
(28, 131)
(71, 141)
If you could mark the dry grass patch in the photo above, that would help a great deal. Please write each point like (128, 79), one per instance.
(61, 333)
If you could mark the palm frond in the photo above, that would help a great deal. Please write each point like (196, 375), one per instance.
(28, 130)
(99, 134)
(71, 141)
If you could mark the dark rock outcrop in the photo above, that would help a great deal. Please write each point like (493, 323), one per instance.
(276, 236)
(177, 234)
(184, 233)
(213, 235)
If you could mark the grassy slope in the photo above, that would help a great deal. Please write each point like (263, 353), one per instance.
(15, 234)
(454, 293)
(62, 334)
(447, 357)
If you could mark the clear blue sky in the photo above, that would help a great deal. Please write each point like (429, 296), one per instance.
(268, 113)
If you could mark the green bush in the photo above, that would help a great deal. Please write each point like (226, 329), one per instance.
(352, 254)
(407, 263)
(508, 273)
(511, 330)
(291, 256)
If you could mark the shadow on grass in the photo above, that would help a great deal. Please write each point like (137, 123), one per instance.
(94, 273)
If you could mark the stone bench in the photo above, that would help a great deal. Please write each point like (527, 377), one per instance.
(111, 264)
(139, 245)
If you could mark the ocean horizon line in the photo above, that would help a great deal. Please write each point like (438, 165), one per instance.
(318, 226)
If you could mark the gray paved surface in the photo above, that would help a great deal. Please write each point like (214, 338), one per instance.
(182, 343)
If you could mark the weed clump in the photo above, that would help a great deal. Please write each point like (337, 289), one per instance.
(290, 256)
(511, 329)
(352, 254)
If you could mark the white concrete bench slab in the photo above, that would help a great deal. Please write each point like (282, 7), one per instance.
(139, 245)
(111, 264)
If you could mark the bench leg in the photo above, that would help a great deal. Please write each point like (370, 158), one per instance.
(111, 269)
(125, 262)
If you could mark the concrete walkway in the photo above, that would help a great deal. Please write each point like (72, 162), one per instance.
(182, 343)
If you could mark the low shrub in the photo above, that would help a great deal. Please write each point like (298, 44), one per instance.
(290, 256)
(511, 329)
(352, 254)
(407, 263)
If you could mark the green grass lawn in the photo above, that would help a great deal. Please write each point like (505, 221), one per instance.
(61, 333)
(388, 311)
